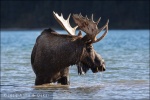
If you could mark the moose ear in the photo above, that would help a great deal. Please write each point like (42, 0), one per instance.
(80, 34)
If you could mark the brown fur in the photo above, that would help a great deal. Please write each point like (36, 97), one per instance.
(53, 53)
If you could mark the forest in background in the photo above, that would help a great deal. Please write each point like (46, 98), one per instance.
(34, 14)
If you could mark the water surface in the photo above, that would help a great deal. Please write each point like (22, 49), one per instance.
(126, 53)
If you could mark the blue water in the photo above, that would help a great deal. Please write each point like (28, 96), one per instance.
(126, 53)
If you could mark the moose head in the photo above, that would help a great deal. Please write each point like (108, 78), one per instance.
(88, 59)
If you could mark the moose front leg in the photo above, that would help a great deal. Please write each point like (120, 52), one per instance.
(64, 80)
(41, 80)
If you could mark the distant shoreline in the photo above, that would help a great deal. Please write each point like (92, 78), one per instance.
(40, 29)
(21, 29)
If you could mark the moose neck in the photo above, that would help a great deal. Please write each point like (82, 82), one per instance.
(77, 50)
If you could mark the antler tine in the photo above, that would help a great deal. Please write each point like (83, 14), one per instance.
(104, 26)
(86, 17)
(68, 17)
(92, 17)
(80, 14)
(98, 20)
(65, 23)
(106, 31)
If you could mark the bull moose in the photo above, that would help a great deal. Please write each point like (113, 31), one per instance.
(53, 53)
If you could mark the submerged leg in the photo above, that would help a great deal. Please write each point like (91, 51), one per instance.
(63, 81)
(39, 81)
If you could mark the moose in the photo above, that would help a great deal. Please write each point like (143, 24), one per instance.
(53, 53)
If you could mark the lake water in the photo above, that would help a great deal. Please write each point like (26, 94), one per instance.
(126, 53)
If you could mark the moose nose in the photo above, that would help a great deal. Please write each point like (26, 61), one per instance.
(104, 68)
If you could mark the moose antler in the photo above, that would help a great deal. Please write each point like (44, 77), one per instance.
(90, 27)
(65, 23)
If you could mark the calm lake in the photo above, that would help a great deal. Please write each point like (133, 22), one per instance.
(126, 53)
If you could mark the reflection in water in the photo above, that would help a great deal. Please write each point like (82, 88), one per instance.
(126, 75)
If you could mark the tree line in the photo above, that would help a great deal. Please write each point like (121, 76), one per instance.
(32, 14)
